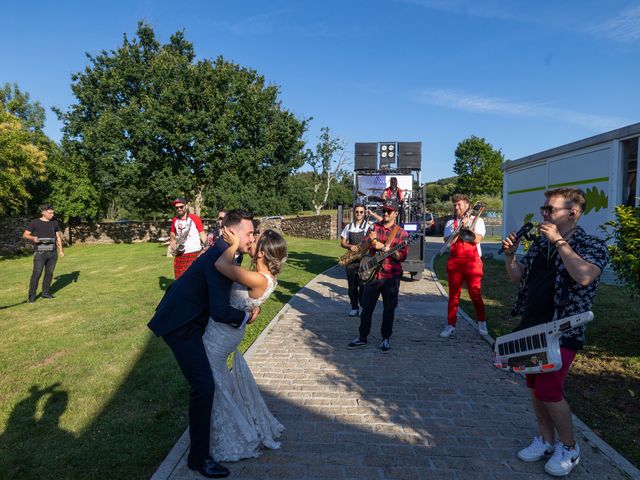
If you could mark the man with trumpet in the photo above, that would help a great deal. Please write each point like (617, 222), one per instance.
(558, 277)
(464, 233)
(351, 238)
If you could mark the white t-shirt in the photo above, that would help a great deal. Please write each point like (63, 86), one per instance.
(193, 225)
(478, 228)
(362, 227)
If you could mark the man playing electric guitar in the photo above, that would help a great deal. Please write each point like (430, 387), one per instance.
(384, 236)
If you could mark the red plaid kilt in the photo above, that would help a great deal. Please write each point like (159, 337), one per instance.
(182, 262)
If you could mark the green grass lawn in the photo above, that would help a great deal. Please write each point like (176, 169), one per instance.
(86, 390)
(603, 386)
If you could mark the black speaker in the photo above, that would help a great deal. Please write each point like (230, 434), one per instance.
(410, 155)
(366, 156)
(416, 250)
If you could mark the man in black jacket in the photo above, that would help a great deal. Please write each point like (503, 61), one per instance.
(181, 318)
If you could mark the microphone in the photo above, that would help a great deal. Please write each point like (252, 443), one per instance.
(520, 233)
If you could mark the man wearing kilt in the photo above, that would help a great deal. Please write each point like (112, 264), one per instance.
(187, 236)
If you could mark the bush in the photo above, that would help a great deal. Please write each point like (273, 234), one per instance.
(625, 252)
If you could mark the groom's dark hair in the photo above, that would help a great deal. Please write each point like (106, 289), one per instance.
(234, 217)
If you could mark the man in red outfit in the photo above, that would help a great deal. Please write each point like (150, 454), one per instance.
(464, 266)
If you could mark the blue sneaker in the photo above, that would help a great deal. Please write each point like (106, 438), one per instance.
(357, 343)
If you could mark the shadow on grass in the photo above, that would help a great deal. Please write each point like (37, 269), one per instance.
(61, 281)
(164, 282)
(3, 307)
(127, 439)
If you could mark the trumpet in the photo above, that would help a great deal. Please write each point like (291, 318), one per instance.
(465, 233)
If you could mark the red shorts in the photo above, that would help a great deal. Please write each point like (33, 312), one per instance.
(549, 387)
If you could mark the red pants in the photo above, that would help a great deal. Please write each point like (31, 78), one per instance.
(465, 270)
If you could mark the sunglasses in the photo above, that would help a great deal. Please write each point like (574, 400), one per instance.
(548, 209)
(359, 211)
(180, 207)
(220, 218)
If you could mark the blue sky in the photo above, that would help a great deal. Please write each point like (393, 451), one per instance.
(525, 75)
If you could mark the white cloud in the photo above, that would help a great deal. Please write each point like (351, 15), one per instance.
(479, 104)
(625, 26)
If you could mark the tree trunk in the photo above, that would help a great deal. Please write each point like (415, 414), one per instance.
(199, 200)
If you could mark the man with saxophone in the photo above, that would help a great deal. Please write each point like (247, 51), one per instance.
(464, 232)
(351, 238)
(558, 277)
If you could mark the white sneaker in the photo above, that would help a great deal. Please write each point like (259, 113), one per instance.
(564, 459)
(448, 331)
(354, 313)
(537, 450)
(482, 328)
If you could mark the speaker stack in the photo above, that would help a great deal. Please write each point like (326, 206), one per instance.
(366, 156)
(409, 155)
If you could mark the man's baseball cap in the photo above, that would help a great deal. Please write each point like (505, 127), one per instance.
(179, 200)
(391, 205)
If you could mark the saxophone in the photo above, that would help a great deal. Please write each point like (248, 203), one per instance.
(352, 256)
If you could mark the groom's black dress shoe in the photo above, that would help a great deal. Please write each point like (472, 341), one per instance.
(209, 468)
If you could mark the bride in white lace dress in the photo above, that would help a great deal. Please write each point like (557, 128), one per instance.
(241, 423)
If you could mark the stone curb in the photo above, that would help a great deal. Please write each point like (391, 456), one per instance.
(180, 449)
(588, 435)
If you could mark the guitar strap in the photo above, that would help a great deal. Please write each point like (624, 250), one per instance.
(392, 235)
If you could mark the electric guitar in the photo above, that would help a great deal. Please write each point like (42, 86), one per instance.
(371, 264)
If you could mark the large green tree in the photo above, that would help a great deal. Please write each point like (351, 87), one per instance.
(34, 180)
(151, 122)
(478, 167)
(21, 162)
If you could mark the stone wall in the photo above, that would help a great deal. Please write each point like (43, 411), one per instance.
(130, 232)
(11, 228)
(323, 227)
(11, 241)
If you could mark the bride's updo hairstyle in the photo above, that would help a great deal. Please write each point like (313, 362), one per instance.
(274, 247)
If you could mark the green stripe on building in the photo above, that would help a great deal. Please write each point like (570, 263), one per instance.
(557, 185)
(579, 182)
(513, 192)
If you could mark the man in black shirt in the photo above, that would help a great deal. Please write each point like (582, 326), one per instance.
(45, 234)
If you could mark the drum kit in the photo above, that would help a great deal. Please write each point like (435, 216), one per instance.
(375, 202)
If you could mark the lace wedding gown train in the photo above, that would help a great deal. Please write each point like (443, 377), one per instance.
(241, 422)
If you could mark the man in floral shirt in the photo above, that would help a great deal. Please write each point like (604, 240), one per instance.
(559, 277)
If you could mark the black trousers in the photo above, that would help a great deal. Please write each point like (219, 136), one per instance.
(42, 261)
(187, 346)
(389, 288)
(354, 285)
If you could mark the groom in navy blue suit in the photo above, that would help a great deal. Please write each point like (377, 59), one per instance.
(181, 318)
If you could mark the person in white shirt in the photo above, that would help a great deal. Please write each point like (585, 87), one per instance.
(464, 265)
(187, 237)
(352, 236)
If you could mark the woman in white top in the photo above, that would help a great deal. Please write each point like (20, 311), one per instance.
(241, 422)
